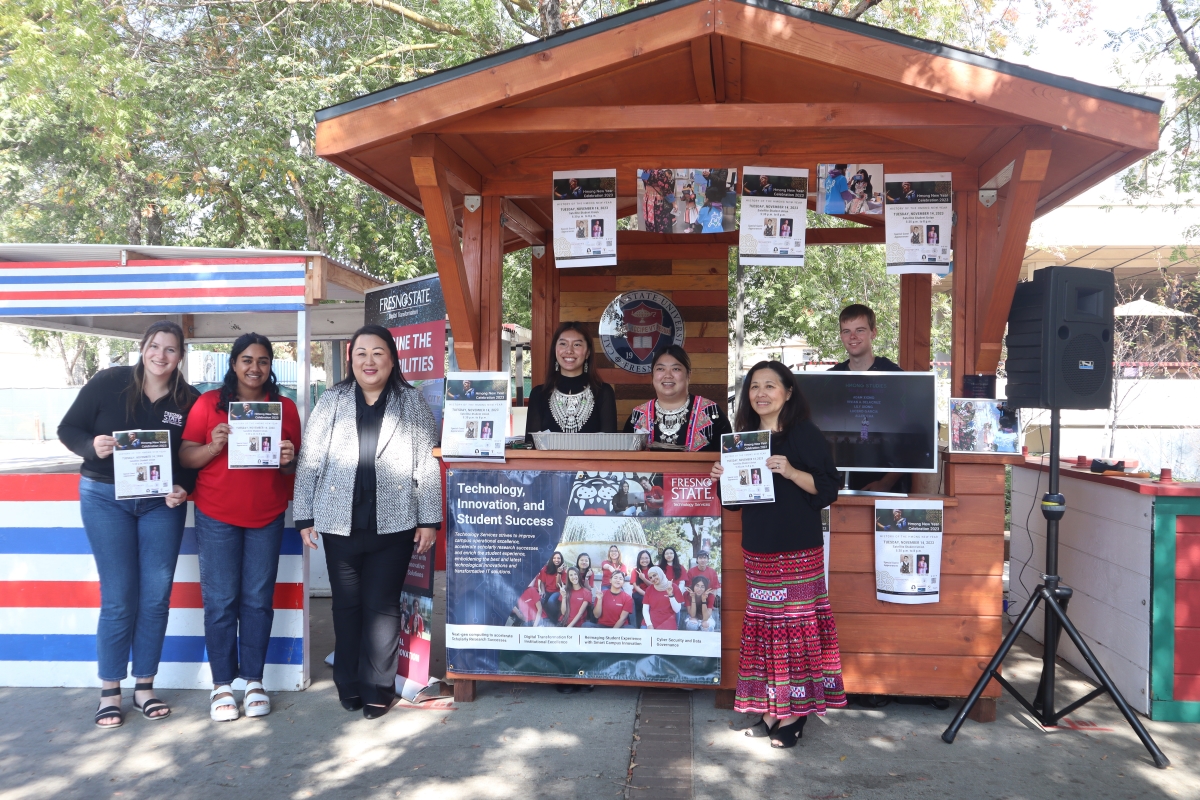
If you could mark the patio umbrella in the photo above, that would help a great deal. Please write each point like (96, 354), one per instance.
(1144, 308)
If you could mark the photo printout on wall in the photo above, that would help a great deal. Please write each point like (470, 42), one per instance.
(694, 200)
(919, 214)
(849, 189)
(774, 203)
(585, 218)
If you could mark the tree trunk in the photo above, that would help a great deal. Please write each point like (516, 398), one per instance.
(154, 225)
(550, 14)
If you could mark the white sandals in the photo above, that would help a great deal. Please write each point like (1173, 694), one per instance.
(255, 693)
(223, 707)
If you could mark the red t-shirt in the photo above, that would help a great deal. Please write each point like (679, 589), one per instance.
(613, 605)
(609, 569)
(579, 599)
(528, 603)
(662, 616)
(248, 498)
(640, 579)
(549, 580)
(708, 572)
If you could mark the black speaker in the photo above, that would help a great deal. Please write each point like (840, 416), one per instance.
(1060, 345)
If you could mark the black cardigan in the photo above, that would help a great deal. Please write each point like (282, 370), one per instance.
(793, 521)
(602, 420)
(101, 408)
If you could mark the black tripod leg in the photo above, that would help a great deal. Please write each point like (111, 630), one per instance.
(1160, 759)
(1064, 597)
(1031, 606)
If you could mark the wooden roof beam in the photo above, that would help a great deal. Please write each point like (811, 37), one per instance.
(998, 284)
(461, 176)
(520, 223)
(725, 116)
(433, 181)
(731, 51)
(703, 70)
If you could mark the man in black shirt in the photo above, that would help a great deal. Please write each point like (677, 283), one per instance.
(857, 324)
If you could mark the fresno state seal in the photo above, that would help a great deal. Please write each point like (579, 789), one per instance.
(636, 326)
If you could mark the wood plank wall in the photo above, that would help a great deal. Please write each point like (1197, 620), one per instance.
(694, 274)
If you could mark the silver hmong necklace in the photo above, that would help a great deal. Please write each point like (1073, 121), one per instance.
(671, 422)
(571, 411)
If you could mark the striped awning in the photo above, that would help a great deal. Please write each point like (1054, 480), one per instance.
(166, 286)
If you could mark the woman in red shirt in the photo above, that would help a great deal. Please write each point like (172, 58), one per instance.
(576, 599)
(641, 584)
(549, 580)
(586, 577)
(239, 526)
(612, 564)
(663, 601)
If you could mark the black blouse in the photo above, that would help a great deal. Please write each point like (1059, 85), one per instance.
(793, 521)
(369, 421)
(101, 408)
(603, 418)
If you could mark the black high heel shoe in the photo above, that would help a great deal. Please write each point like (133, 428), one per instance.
(375, 712)
(787, 735)
(352, 703)
(760, 729)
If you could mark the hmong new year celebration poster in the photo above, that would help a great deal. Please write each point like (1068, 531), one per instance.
(774, 204)
(585, 218)
(919, 214)
(908, 550)
(609, 576)
(687, 200)
(414, 312)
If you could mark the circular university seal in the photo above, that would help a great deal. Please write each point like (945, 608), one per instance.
(636, 326)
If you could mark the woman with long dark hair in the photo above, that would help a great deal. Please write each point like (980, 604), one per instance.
(668, 561)
(676, 417)
(135, 542)
(576, 600)
(641, 583)
(239, 525)
(572, 399)
(789, 664)
(368, 481)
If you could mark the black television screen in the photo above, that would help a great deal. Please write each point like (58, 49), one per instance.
(876, 421)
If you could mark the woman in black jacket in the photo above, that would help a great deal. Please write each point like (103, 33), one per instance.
(789, 665)
(135, 542)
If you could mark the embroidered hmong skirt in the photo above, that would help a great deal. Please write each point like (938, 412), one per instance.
(790, 665)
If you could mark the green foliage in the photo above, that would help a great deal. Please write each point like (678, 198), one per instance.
(81, 354)
(518, 288)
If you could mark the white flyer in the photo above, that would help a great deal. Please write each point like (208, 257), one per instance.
(908, 550)
(585, 218)
(142, 464)
(918, 216)
(255, 430)
(475, 417)
(746, 478)
(774, 204)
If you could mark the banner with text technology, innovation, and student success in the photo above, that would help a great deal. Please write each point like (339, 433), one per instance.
(506, 615)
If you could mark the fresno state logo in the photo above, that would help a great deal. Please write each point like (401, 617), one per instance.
(636, 326)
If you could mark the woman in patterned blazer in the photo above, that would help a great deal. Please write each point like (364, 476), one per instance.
(368, 481)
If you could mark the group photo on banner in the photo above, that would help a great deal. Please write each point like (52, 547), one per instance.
(612, 576)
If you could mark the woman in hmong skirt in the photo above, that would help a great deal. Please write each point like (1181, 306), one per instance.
(656, 208)
(789, 666)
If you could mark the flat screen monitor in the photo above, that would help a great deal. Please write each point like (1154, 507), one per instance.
(876, 421)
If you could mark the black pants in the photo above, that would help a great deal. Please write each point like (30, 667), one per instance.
(366, 573)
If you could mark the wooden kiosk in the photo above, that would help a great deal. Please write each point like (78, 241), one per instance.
(727, 83)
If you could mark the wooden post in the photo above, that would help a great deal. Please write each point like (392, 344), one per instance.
(464, 691)
(491, 285)
(916, 321)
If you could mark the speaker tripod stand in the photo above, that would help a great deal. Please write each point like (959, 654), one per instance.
(1055, 597)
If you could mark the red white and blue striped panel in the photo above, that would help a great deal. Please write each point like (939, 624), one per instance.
(168, 286)
(50, 598)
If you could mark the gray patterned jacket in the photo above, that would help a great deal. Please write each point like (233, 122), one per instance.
(407, 478)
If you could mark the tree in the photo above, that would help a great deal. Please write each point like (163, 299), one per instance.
(1167, 41)
(82, 356)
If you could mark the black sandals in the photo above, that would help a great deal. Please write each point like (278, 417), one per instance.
(760, 730)
(352, 703)
(110, 712)
(151, 705)
(788, 735)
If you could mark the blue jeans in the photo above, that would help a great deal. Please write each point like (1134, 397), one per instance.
(135, 544)
(237, 579)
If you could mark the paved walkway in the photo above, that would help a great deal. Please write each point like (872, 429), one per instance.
(526, 741)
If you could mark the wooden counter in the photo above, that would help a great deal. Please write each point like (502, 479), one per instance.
(936, 650)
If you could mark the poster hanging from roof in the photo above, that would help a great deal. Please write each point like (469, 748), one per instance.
(908, 550)
(585, 218)
(850, 189)
(597, 575)
(687, 200)
(774, 205)
(415, 314)
(919, 214)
